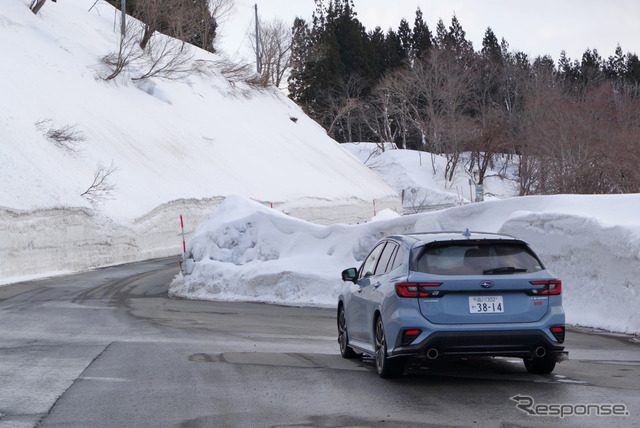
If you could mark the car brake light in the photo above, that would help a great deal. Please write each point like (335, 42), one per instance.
(551, 287)
(555, 287)
(558, 333)
(416, 289)
(409, 335)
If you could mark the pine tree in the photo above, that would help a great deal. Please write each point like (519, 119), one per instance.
(441, 36)
(591, 68)
(569, 70)
(457, 38)
(615, 68)
(405, 35)
(379, 54)
(301, 53)
(632, 74)
(421, 42)
(491, 50)
(395, 54)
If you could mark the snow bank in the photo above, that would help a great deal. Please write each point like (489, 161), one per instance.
(245, 251)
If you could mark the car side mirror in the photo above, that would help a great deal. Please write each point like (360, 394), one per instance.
(350, 274)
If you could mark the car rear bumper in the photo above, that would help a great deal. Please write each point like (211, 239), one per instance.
(506, 343)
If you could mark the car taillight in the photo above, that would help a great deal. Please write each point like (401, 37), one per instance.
(409, 335)
(558, 333)
(551, 287)
(417, 289)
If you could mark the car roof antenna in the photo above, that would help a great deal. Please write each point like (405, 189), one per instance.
(467, 233)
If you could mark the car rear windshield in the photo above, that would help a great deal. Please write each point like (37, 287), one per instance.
(477, 258)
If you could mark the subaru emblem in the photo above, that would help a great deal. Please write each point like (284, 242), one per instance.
(487, 284)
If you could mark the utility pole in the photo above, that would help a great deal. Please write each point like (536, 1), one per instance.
(123, 20)
(258, 65)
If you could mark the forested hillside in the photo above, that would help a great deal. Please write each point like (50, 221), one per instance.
(569, 127)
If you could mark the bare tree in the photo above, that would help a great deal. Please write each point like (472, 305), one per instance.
(151, 14)
(492, 141)
(386, 112)
(128, 51)
(194, 22)
(167, 58)
(221, 9)
(440, 88)
(274, 44)
(67, 137)
(393, 100)
(342, 104)
(100, 188)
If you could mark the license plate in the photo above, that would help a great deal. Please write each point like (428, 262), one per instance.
(486, 304)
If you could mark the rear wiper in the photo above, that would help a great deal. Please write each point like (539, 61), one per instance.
(504, 269)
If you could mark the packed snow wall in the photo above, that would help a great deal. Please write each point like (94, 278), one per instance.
(597, 262)
(48, 242)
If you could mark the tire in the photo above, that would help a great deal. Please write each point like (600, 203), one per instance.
(386, 367)
(544, 365)
(343, 336)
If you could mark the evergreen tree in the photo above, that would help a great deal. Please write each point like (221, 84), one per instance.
(421, 41)
(616, 66)
(406, 36)
(453, 39)
(632, 74)
(379, 55)
(440, 39)
(396, 56)
(300, 84)
(457, 38)
(491, 50)
(591, 68)
(569, 70)
(543, 65)
(352, 41)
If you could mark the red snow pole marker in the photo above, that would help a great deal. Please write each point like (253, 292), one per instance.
(184, 245)
(374, 207)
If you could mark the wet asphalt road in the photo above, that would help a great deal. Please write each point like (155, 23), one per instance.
(108, 348)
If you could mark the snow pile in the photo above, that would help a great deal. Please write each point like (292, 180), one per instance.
(172, 146)
(245, 251)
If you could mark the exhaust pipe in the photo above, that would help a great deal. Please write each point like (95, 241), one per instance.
(432, 353)
(540, 351)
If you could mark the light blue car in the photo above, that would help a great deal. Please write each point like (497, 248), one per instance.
(451, 294)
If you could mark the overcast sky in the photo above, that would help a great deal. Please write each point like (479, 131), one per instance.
(536, 27)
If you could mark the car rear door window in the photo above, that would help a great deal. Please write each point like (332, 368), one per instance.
(397, 260)
(386, 256)
(477, 259)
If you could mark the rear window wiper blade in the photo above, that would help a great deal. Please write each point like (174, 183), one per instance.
(504, 269)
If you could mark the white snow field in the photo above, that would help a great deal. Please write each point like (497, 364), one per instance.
(173, 146)
(245, 251)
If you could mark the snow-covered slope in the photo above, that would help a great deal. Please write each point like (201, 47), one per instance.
(172, 146)
(420, 178)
